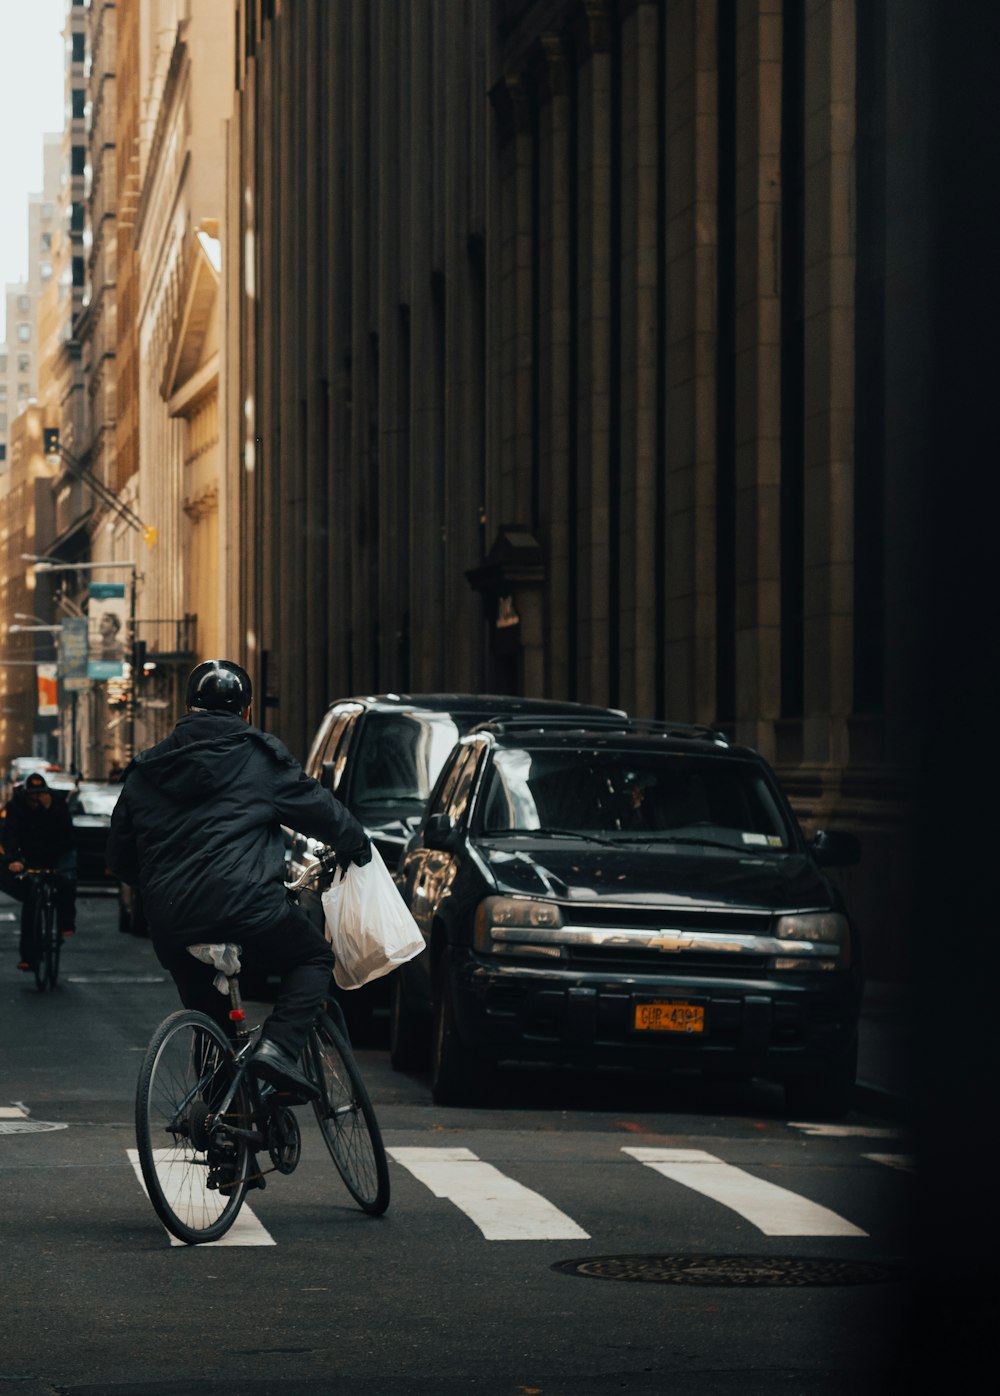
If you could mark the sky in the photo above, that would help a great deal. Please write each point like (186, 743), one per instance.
(31, 103)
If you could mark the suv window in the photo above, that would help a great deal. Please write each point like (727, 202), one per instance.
(327, 742)
(441, 804)
(465, 774)
(398, 759)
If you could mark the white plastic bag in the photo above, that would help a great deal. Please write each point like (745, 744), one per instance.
(225, 958)
(368, 924)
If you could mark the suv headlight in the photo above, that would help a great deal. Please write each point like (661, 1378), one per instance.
(822, 940)
(516, 926)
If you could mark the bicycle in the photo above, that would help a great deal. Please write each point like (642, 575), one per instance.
(45, 939)
(202, 1119)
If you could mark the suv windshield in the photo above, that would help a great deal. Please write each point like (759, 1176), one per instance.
(400, 757)
(634, 796)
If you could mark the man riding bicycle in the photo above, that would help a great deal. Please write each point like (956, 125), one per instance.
(198, 829)
(38, 833)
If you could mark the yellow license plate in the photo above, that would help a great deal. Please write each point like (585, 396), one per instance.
(669, 1015)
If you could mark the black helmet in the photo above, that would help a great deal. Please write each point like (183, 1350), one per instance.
(219, 685)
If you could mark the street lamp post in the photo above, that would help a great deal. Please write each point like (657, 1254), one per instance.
(47, 564)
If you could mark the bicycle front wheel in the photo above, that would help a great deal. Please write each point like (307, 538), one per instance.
(53, 942)
(40, 953)
(347, 1118)
(194, 1162)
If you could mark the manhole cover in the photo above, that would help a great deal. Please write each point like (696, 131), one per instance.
(728, 1271)
(28, 1126)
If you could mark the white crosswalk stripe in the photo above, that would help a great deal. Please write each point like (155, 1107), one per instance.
(504, 1210)
(774, 1210)
(906, 1163)
(245, 1231)
(822, 1131)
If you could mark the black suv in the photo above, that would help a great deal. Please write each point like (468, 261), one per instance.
(635, 895)
(381, 757)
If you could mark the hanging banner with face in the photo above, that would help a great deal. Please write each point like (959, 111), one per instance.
(74, 653)
(106, 627)
(48, 691)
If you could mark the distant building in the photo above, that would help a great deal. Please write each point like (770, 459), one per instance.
(20, 355)
(25, 517)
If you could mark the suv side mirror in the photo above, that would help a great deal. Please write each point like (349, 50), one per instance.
(326, 776)
(832, 848)
(439, 833)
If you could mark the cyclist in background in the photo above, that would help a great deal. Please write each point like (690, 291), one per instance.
(38, 833)
(197, 828)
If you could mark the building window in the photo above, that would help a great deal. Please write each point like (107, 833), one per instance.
(3, 364)
(3, 451)
(24, 363)
(78, 98)
(77, 160)
(79, 47)
(24, 304)
(3, 392)
(3, 421)
(45, 270)
(76, 216)
(46, 242)
(24, 333)
(48, 210)
(78, 271)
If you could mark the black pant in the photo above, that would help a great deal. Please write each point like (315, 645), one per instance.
(294, 948)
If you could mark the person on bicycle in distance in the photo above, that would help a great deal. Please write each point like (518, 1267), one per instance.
(197, 828)
(38, 833)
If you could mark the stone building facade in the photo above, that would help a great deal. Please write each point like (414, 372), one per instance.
(563, 332)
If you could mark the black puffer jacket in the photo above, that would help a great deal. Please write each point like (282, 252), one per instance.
(197, 828)
(34, 835)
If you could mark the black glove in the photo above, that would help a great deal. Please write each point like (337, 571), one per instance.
(360, 854)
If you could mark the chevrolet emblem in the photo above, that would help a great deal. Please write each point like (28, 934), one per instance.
(670, 941)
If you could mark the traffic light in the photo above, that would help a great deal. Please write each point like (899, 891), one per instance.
(50, 439)
(139, 660)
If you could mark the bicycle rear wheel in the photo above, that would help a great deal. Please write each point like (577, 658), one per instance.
(39, 945)
(346, 1117)
(53, 942)
(193, 1164)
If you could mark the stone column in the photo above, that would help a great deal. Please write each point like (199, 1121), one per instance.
(593, 346)
(692, 145)
(829, 384)
(758, 370)
(640, 139)
(551, 77)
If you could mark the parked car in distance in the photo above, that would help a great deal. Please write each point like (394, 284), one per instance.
(381, 757)
(91, 804)
(640, 898)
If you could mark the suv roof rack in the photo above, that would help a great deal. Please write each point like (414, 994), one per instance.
(541, 721)
(690, 731)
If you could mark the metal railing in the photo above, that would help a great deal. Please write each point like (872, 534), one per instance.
(168, 639)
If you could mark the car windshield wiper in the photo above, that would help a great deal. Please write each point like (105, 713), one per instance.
(697, 842)
(549, 834)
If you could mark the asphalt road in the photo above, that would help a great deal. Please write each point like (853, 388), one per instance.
(435, 1297)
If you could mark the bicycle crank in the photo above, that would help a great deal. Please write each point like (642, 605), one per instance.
(284, 1140)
